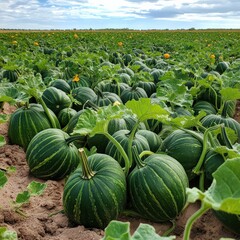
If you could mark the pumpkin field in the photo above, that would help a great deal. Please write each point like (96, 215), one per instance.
(119, 134)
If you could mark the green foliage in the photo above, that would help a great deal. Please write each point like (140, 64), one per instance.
(6, 234)
(117, 230)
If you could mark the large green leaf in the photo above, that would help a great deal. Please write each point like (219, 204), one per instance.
(224, 192)
(145, 110)
(92, 122)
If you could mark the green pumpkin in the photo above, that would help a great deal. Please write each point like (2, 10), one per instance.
(56, 99)
(95, 193)
(184, 147)
(157, 187)
(51, 154)
(26, 122)
(134, 92)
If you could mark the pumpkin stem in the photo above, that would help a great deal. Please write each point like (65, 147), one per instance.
(225, 138)
(87, 172)
(121, 150)
(205, 147)
(224, 110)
(73, 138)
(137, 159)
(46, 110)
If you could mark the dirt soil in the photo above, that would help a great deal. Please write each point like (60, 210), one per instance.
(44, 221)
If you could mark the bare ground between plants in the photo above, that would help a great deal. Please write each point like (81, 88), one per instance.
(44, 220)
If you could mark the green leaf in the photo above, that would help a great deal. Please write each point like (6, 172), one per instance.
(224, 192)
(7, 234)
(36, 188)
(187, 121)
(3, 179)
(145, 110)
(230, 93)
(146, 231)
(117, 230)
(92, 122)
(3, 118)
(174, 92)
(2, 141)
(23, 197)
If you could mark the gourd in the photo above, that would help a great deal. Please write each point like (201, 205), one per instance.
(95, 193)
(112, 86)
(51, 154)
(222, 67)
(56, 99)
(184, 146)
(133, 92)
(82, 95)
(205, 106)
(122, 136)
(214, 119)
(149, 87)
(153, 139)
(65, 115)
(62, 85)
(157, 187)
(212, 161)
(106, 98)
(27, 121)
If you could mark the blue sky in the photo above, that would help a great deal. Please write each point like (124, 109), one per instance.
(134, 14)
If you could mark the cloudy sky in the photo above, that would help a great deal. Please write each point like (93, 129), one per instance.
(134, 14)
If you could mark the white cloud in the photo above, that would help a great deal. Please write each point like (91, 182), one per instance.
(62, 13)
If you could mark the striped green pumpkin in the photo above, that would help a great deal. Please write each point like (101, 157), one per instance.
(96, 193)
(56, 99)
(184, 147)
(51, 154)
(26, 122)
(157, 187)
(213, 119)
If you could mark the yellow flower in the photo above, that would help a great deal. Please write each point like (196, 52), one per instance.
(116, 103)
(166, 55)
(76, 78)
(36, 44)
(120, 44)
(75, 36)
(14, 42)
(212, 56)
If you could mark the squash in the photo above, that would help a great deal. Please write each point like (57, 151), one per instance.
(56, 99)
(65, 115)
(133, 92)
(153, 139)
(106, 98)
(122, 136)
(95, 193)
(62, 85)
(222, 67)
(112, 86)
(212, 161)
(185, 147)
(82, 95)
(51, 154)
(214, 119)
(26, 122)
(205, 106)
(157, 187)
(149, 87)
